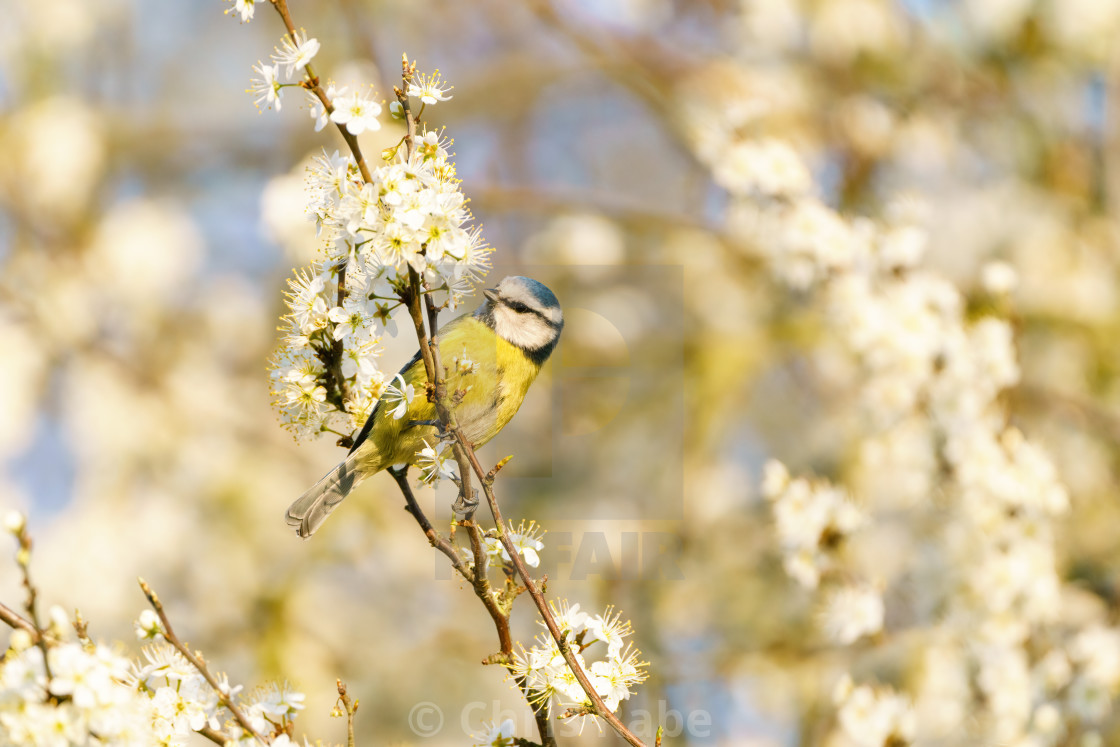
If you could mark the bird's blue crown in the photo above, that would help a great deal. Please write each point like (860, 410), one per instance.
(539, 290)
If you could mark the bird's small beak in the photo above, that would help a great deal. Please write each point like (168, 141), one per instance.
(491, 293)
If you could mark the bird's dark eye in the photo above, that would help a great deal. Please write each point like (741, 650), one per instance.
(517, 306)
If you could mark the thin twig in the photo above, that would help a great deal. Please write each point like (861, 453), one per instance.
(600, 708)
(223, 693)
(428, 339)
(337, 350)
(468, 461)
(15, 620)
(435, 539)
(349, 707)
(312, 84)
(482, 589)
(214, 736)
(23, 559)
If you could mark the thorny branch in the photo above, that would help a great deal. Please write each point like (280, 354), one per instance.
(200, 665)
(463, 450)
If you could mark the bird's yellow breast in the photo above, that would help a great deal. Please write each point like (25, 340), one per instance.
(487, 379)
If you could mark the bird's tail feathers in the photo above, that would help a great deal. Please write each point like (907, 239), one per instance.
(313, 507)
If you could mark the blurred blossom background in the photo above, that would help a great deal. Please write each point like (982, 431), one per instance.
(151, 216)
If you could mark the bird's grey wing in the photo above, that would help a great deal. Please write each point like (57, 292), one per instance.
(311, 509)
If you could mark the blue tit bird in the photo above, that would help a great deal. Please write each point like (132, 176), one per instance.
(491, 357)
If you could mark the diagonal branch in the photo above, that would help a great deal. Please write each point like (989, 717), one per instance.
(15, 620)
(312, 84)
(199, 665)
(467, 460)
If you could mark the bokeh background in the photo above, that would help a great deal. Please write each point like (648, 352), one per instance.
(151, 215)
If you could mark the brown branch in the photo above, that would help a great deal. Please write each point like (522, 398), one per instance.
(435, 539)
(312, 84)
(427, 337)
(15, 620)
(432, 363)
(485, 592)
(337, 350)
(350, 707)
(23, 559)
(198, 663)
(482, 589)
(599, 707)
(478, 579)
(214, 736)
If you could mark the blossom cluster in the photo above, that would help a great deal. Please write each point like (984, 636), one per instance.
(182, 701)
(388, 233)
(86, 693)
(873, 717)
(548, 677)
(928, 377)
(811, 520)
(409, 216)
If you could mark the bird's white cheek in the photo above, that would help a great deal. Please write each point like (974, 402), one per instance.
(524, 330)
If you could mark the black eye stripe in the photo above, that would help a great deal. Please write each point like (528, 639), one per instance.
(522, 308)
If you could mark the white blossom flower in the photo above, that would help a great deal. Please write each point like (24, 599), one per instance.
(998, 278)
(266, 88)
(609, 628)
(429, 89)
(357, 113)
(277, 701)
(294, 54)
(348, 319)
(307, 301)
(244, 8)
(810, 518)
(769, 167)
(148, 626)
(852, 612)
(870, 718)
(613, 677)
(496, 735)
(570, 619)
(410, 214)
(398, 397)
(547, 672)
(19, 640)
(526, 540)
(433, 465)
(164, 663)
(430, 146)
